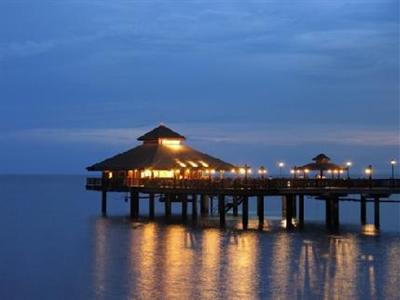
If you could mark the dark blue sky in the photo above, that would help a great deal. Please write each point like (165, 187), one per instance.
(248, 81)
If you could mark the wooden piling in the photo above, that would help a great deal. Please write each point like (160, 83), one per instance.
(194, 206)
(328, 213)
(134, 204)
(167, 204)
(104, 203)
(301, 211)
(335, 211)
(377, 213)
(151, 205)
(221, 209)
(184, 205)
(245, 212)
(260, 210)
(204, 205)
(363, 210)
(235, 205)
(289, 212)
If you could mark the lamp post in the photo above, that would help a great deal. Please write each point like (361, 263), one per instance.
(368, 171)
(262, 171)
(281, 164)
(348, 165)
(393, 163)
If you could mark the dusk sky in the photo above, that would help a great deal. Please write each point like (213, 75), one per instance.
(247, 81)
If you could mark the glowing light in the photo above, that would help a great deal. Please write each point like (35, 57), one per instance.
(292, 171)
(233, 171)
(145, 173)
(298, 171)
(163, 173)
(341, 171)
(249, 171)
(193, 164)
(335, 171)
(110, 175)
(204, 164)
(330, 171)
(369, 229)
(306, 171)
(181, 164)
(262, 171)
(368, 171)
(212, 171)
(169, 142)
(242, 170)
(281, 164)
(349, 164)
(393, 162)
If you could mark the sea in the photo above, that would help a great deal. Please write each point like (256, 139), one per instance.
(54, 244)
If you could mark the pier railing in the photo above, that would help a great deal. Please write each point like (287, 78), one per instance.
(240, 183)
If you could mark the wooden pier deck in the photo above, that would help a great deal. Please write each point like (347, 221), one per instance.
(230, 194)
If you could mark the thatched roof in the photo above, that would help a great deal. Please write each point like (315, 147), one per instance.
(159, 133)
(159, 156)
(321, 157)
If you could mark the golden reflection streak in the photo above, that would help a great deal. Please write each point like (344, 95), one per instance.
(100, 258)
(280, 271)
(179, 258)
(341, 269)
(309, 272)
(242, 266)
(143, 262)
(210, 264)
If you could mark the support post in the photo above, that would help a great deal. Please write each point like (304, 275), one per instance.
(104, 203)
(289, 212)
(377, 213)
(194, 206)
(167, 204)
(184, 205)
(294, 207)
(134, 204)
(245, 212)
(335, 210)
(204, 207)
(363, 210)
(301, 211)
(235, 205)
(151, 205)
(260, 210)
(221, 209)
(284, 206)
(211, 199)
(328, 213)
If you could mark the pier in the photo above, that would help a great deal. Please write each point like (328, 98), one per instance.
(164, 169)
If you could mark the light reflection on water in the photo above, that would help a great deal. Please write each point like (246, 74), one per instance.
(176, 261)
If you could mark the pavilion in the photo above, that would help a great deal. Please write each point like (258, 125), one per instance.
(321, 164)
(162, 154)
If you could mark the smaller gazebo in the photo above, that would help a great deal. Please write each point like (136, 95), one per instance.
(321, 164)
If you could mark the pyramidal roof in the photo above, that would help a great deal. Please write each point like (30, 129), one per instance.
(160, 132)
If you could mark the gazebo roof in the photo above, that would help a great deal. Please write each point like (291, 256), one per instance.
(160, 156)
(159, 133)
(322, 163)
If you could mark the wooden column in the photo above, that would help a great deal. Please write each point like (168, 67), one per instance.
(211, 199)
(167, 204)
(134, 204)
(335, 211)
(363, 210)
(245, 212)
(221, 209)
(184, 205)
(328, 213)
(235, 205)
(194, 206)
(289, 212)
(151, 205)
(204, 206)
(284, 206)
(104, 203)
(377, 213)
(301, 211)
(294, 207)
(260, 210)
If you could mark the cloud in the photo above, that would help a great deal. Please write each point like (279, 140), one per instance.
(226, 133)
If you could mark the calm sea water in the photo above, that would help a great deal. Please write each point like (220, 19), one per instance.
(55, 245)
